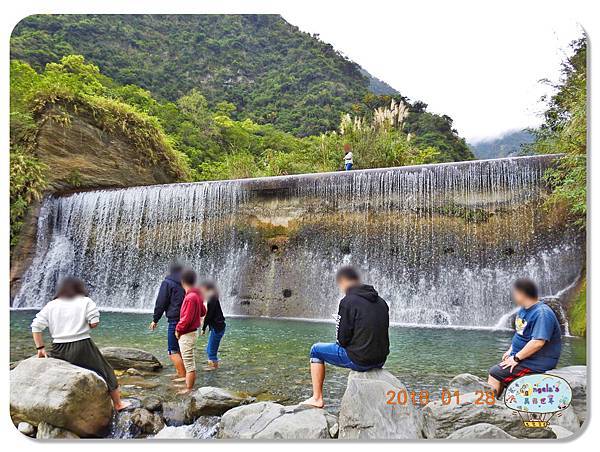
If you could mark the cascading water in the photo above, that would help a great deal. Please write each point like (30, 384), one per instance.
(441, 243)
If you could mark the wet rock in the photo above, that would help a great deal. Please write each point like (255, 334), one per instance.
(174, 414)
(133, 372)
(60, 394)
(152, 404)
(364, 413)
(211, 401)
(464, 383)
(136, 423)
(204, 428)
(47, 431)
(124, 358)
(268, 420)
(480, 431)
(440, 421)
(26, 429)
(576, 376)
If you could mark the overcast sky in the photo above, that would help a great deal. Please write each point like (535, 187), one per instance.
(482, 70)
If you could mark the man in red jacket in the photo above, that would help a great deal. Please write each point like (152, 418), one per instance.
(192, 311)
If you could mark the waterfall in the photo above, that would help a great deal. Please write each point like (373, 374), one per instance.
(441, 243)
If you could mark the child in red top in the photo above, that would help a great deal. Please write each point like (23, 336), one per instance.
(190, 318)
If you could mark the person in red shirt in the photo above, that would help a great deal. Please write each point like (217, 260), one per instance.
(190, 318)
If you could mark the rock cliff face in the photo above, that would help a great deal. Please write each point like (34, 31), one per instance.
(81, 155)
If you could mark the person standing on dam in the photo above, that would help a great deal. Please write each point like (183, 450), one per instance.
(362, 333)
(348, 157)
(168, 301)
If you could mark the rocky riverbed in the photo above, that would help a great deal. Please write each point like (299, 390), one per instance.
(53, 399)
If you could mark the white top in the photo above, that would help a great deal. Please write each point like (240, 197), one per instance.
(348, 157)
(68, 319)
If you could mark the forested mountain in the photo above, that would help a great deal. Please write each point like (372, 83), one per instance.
(270, 70)
(507, 145)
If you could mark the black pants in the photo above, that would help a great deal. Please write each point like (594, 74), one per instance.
(84, 353)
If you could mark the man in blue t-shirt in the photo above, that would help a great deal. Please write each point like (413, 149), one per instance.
(536, 345)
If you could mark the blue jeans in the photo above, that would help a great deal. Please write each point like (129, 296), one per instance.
(335, 354)
(348, 166)
(172, 342)
(212, 347)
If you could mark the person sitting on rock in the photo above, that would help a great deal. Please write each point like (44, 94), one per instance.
(168, 302)
(536, 344)
(186, 330)
(215, 321)
(362, 333)
(70, 317)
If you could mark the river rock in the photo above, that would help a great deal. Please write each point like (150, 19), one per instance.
(440, 421)
(211, 401)
(152, 404)
(204, 427)
(136, 423)
(365, 414)
(480, 431)
(61, 394)
(576, 376)
(268, 420)
(47, 431)
(26, 429)
(133, 372)
(464, 383)
(124, 358)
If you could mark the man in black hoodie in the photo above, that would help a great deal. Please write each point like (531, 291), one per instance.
(362, 333)
(168, 301)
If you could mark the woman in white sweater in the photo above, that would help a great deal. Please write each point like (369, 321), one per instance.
(69, 318)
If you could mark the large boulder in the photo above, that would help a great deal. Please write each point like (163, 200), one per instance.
(440, 420)
(124, 358)
(268, 420)
(47, 431)
(203, 428)
(137, 423)
(365, 413)
(60, 394)
(576, 376)
(464, 383)
(211, 401)
(480, 431)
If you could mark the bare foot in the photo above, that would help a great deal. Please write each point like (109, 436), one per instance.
(184, 391)
(124, 404)
(178, 380)
(313, 402)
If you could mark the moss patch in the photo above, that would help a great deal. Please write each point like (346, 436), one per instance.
(577, 313)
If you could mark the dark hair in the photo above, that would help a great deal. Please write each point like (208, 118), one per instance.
(71, 287)
(527, 287)
(175, 268)
(347, 272)
(209, 285)
(188, 277)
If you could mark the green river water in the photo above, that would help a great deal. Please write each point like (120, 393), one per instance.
(268, 358)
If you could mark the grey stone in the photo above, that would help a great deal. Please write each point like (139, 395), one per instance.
(124, 358)
(61, 394)
(204, 428)
(136, 423)
(480, 431)
(365, 414)
(152, 404)
(268, 420)
(26, 429)
(576, 376)
(47, 431)
(133, 372)
(464, 383)
(440, 420)
(560, 432)
(211, 401)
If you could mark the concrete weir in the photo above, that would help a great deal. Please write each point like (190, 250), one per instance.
(441, 243)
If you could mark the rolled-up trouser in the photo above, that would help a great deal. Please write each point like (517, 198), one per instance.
(84, 353)
(187, 345)
(333, 353)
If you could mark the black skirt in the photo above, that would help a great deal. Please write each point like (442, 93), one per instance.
(84, 353)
